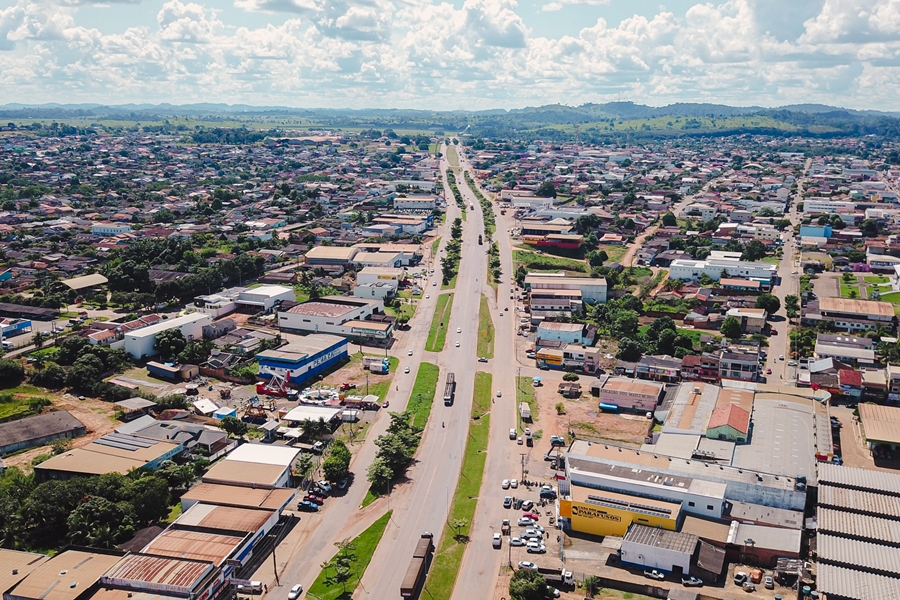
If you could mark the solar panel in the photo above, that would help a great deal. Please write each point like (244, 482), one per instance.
(113, 444)
(126, 439)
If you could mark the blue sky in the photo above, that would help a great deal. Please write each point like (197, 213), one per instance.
(459, 54)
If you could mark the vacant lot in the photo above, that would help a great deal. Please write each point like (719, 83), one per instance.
(585, 419)
(544, 262)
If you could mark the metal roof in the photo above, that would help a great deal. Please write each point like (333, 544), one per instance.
(224, 518)
(862, 479)
(880, 423)
(857, 585)
(15, 566)
(165, 573)
(857, 526)
(865, 556)
(194, 545)
(236, 472)
(66, 576)
(661, 538)
(52, 423)
(872, 503)
(229, 495)
(85, 281)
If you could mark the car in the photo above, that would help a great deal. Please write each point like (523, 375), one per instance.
(748, 587)
(836, 448)
(507, 502)
(295, 592)
(535, 548)
(525, 521)
(524, 564)
(506, 309)
(740, 577)
(457, 343)
(459, 330)
(516, 541)
(497, 540)
(512, 434)
(557, 440)
(517, 504)
(532, 533)
(343, 483)
(482, 359)
(318, 447)
(527, 504)
(519, 440)
(768, 583)
(434, 283)
(406, 370)
(781, 357)
(505, 484)
(409, 353)
(254, 587)
(548, 494)
(534, 516)
(514, 483)
(691, 582)
(499, 394)
(553, 591)
(427, 296)
(501, 314)
(527, 431)
(768, 371)
(654, 574)
(317, 500)
(307, 506)
(324, 486)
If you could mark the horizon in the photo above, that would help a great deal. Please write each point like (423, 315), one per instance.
(459, 55)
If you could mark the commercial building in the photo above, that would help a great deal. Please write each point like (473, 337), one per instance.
(407, 254)
(855, 315)
(264, 298)
(276, 499)
(110, 228)
(70, 575)
(356, 318)
(16, 566)
(592, 289)
(610, 513)
(39, 430)
(255, 466)
(753, 320)
(654, 548)
(565, 333)
(159, 575)
(415, 202)
(139, 343)
(701, 212)
(85, 282)
(880, 425)
(112, 453)
(713, 268)
(390, 276)
(330, 256)
(637, 395)
(570, 356)
(743, 366)
(299, 361)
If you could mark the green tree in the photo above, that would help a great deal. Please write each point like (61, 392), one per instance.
(753, 251)
(85, 373)
(196, 352)
(337, 465)
(791, 305)
(11, 373)
(546, 190)
(234, 427)
(592, 585)
(731, 328)
(100, 523)
(150, 498)
(170, 343)
(629, 350)
(769, 302)
(625, 324)
(527, 584)
(597, 258)
(669, 220)
(379, 475)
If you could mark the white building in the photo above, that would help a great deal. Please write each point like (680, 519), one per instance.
(699, 211)
(140, 342)
(415, 202)
(656, 548)
(815, 206)
(593, 289)
(686, 269)
(265, 297)
(110, 228)
(347, 317)
(377, 282)
(214, 305)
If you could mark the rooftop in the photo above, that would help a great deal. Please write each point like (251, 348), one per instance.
(328, 307)
(167, 324)
(66, 576)
(308, 345)
(37, 426)
(229, 495)
(857, 307)
(880, 423)
(861, 479)
(731, 415)
(194, 545)
(857, 526)
(166, 573)
(250, 474)
(859, 585)
(331, 253)
(16, 565)
(283, 456)
(633, 386)
(661, 538)
(224, 518)
(856, 554)
(85, 281)
(761, 536)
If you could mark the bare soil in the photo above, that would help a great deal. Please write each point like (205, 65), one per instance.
(583, 416)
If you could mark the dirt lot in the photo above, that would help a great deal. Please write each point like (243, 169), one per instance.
(583, 416)
(99, 418)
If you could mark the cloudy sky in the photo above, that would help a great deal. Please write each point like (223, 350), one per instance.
(467, 54)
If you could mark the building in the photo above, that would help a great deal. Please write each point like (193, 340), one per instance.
(264, 298)
(70, 575)
(157, 575)
(172, 372)
(112, 453)
(688, 270)
(348, 317)
(565, 333)
(85, 282)
(700, 212)
(407, 254)
(255, 466)
(592, 289)
(298, 362)
(214, 305)
(655, 548)
(570, 356)
(880, 425)
(658, 368)
(738, 365)
(381, 275)
(626, 393)
(139, 343)
(729, 422)
(609, 513)
(330, 256)
(39, 430)
(243, 497)
(107, 229)
(415, 202)
(854, 315)
(753, 320)
(16, 566)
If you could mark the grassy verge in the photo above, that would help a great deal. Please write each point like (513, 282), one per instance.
(615, 253)
(847, 290)
(452, 156)
(544, 262)
(422, 397)
(450, 284)
(435, 246)
(437, 335)
(326, 587)
(448, 557)
(485, 330)
(525, 393)
(407, 310)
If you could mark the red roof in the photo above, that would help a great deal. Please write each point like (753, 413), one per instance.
(690, 360)
(850, 377)
(732, 415)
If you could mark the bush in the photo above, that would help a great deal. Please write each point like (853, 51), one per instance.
(570, 377)
(560, 408)
(11, 373)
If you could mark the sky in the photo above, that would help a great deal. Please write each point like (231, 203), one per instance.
(459, 54)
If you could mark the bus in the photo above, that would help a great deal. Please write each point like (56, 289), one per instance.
(449, 389)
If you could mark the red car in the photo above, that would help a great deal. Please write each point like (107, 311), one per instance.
(314, 499)
(534, 516)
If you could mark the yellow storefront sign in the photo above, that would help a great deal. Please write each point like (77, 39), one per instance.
(606, 520)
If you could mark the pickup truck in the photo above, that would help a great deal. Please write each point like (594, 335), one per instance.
(504, 528)
(654, 574)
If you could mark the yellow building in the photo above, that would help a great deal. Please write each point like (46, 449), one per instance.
(599, 512)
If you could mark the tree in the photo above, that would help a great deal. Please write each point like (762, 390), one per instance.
(769, 302)
(85, 373)
(379, 475)
(791, 305)
(754, 250)
(629, 350)
(597, 258)
(169, 343)
(625, 324)
(337, 465)
(591, 585)
(546, 190)
(11, 373)
(458, 525)
(196, 352)
(234, 427)
(665, 342)
(99, 523)
(868, 227)
(669, 220)
(731, 328)
(528, 584)
(150, 498)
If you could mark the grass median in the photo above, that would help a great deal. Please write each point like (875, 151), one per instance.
(437, 335)
(485, 330)
(447, 559)
(328, 585)
(525, 393)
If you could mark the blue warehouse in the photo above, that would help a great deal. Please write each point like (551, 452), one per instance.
(300, 361)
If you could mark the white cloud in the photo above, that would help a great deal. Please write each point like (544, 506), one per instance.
(559, 4)
(187, 22)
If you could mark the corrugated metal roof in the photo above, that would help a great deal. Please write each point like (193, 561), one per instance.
(858, 585)
(194, 545)
(661, 538)
(859, 501)
(707, 530)
(858, 526)
(152, 570)
(66, 576)
(863, 479)
(761, 536)
(229, 495)
(226, 518)
(854, 553)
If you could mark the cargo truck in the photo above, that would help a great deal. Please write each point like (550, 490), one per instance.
(557, 576)
(418, 566)
(449, 389)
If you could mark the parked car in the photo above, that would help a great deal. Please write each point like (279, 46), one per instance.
(769, 583)
(527, 504)
(516, 541)
(497, 540)
(837, 460)
(317, 500)
(514, 483)
(482, 359)
(307, 506)
(505, 484)
(557, 440)
(343, 483)
(507, 502)
(533, 516)
(295, 592)
(524, 564)
(255, 587)
(525, 521)
(324, 486)
(519, 440)
(654, 574)
(740, 577)
(548, 494)
(535, 548)
(691, 582)
(512, 434)
(532, 533)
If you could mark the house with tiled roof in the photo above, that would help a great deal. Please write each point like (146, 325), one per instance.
(729, 422)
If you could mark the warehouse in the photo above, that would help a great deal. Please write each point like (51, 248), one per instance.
(255, 465)
(140, 343)
(299, 361)
(15, 566)
(330, 256)
(70, 575)
(337, 315)
(761, 545)
(209, 517)
(880, 424)
(112, 453)
(201, 546)
(39, 430)
(162, 575)
(242, 497)
(263, 298)
(609, 513)
(634, 394)
(659, 549)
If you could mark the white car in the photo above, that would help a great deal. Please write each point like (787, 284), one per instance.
(427, 296)
(524, 564)
(519, 440)
(514, 483)
(457, 344)
(527, 505)
(532, 533)
(505, 484)
(525, 521)
(295, 592)
(527, 431)
(434, 283)
(512, 434)
(499, 394)
(459, 330)
(406, 370)
(535, 548)
(516, 541)
(409, 353)
(497, 540)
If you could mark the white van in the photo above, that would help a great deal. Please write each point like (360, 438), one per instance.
(8, 345)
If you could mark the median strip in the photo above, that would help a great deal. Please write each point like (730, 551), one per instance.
(485, 330)
(437, 334)
(447, 559)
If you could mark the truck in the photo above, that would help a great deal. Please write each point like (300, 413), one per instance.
(480, 240)
(525, 411)
(449, 389)
(558, 576)
(504, 527)
(418, 566)
(377, 365)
